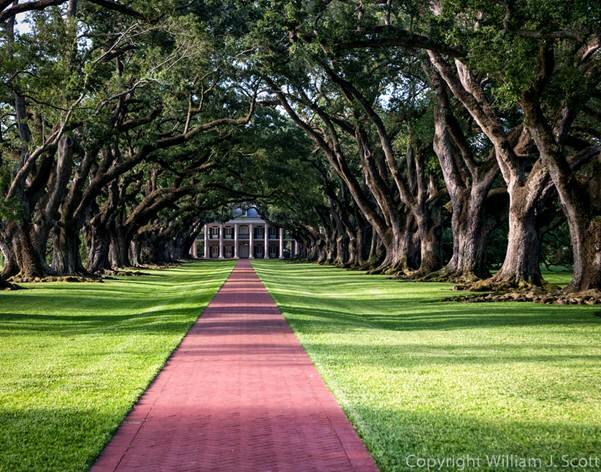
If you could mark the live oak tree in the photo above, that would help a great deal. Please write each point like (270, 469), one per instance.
(461, 44)
(135, 89)
(547, 58)
(399, 136)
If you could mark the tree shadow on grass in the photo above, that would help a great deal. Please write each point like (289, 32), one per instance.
(61, 439)
(406, 356)
(70, 438)
(307, 318)
(167, 321)
(130, 305)
(397, 438)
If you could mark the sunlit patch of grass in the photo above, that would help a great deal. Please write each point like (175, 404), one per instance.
(557, 276)
(74, 357)
(424, 378)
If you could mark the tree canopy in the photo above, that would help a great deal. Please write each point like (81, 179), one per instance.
(448, 139)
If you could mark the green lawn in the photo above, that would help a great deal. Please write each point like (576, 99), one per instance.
(75, 357)
(421, 378)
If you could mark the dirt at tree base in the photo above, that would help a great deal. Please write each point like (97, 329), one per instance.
(57, 278)
(550, 297)
(124, 273)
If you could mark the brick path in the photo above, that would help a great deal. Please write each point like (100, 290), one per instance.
(239, 394)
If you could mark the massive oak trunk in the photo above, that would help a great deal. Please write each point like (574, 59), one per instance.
(119, 248)
(10, 263)
(469, 236)
(578, 183)
(330, 249)
(468, 181)
(522, 258)
(526, 189)
(430, 249)
(341, 250)
(373, 255)
(587, 263)
(136, 253)
(28, 261)
(582, 206)
(66, 258)
(98, 248)
(353, 251)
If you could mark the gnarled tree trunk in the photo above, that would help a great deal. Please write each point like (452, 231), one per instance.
(28, 260)
(119, 247)
(522, 258)
(66, 259)
(98, 248)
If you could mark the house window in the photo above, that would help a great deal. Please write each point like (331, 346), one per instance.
(273, 233)
(228, 232)
(243, 231)
(258, 232)
(214, 232)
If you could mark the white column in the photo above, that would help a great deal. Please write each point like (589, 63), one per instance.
(194, 253)
(220, 241)
(266, 241)
(281, 243)
(295, 248)
(235, 240)
(251, 241)
(206, 249)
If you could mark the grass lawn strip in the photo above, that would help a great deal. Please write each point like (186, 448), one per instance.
(423, 378)
(74, 358)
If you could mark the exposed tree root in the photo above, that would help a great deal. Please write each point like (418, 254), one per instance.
(366, 266)
(386, 268)
(456, 277)
(138, 270)
(123, 273)
(370, 264)
(350, 266)
(421, 275)
(494, 284)
(376, 270)
(553, 295)
(398, 270)
(408, 275)
(56, 278)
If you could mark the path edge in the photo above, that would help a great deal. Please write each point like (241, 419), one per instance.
(92, 464)
(348, 441)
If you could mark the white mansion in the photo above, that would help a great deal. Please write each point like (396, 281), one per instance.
(246, 236)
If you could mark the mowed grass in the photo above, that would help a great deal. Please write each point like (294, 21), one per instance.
(422, 378)
(75, 357)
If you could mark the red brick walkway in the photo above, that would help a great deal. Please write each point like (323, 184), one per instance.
(239, 394)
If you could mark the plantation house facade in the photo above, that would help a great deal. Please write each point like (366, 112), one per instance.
(245, 236)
